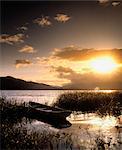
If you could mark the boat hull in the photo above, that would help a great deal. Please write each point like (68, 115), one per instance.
(51, 115)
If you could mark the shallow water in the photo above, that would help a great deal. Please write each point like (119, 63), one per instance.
(86, 130)
(85, 133)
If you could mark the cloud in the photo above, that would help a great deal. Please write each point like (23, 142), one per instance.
(71, 66)
(74, 53)
(89, 80)
(109, 2)
(71, 53)
(12, 39)
(43, 21)
(103, 1)
(22, 63)
(115, 3)
(62, 18)
(64, 72)
(27, 49)
(22, 28)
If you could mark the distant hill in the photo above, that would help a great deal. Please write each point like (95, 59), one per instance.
(10, 83)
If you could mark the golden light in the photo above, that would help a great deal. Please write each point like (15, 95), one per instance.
(105, 122)
(103, 64)
(108, 121)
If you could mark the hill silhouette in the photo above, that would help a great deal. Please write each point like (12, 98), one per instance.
(11, 83)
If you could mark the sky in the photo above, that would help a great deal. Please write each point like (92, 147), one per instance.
(74, 44)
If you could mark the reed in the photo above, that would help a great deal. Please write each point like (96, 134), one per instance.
(99, 102)
(16, 136)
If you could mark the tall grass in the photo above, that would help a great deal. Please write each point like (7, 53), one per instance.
(16, 136)
(102, 103)
(12, 112)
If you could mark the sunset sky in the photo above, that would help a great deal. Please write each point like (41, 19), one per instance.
(70, 44)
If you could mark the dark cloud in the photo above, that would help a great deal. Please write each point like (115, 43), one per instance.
(22, 63)
(22, 28)
(61, 69)
(11, 39)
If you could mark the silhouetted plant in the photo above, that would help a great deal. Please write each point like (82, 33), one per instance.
(100, 102)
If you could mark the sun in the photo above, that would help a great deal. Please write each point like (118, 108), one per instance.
(103, 65)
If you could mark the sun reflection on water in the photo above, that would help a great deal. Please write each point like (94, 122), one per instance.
(108, 121)
(97, 89)
(108, 91)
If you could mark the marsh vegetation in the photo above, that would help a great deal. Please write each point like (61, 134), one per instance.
(89, 102)
(19, 132)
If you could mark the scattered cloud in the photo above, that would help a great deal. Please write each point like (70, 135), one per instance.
(22, 28)
(22, 63)
(12, 39)
(71, 65)
(109, 2)
(52, 61)
(103, 1)
(62, 18)
(43, 60)
(115, 3)
(77, 58)
(43, 21)
(74, 53)
(71, 53)
(27, 49)
(63, 71)
(88, 80)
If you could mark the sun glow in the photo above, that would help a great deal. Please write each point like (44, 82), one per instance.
(103, 65)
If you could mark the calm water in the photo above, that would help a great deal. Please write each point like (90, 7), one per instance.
(85, 129)
(41, 96)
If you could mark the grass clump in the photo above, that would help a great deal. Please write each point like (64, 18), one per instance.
(100, 102)
(12, 112)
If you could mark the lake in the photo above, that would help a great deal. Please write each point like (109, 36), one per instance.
(86, 130)
(41, 96)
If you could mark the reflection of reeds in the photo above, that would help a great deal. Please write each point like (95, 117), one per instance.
(102, 103)
(19, 137)
(13, 137)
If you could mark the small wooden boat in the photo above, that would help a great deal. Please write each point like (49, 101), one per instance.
(49, 112)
